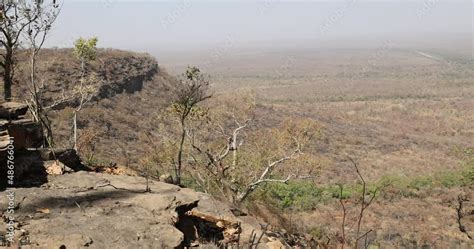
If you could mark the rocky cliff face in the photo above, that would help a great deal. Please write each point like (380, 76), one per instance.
(116, 71)
(132, 88)
(21, 142)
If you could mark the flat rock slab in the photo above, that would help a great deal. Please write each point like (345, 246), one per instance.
(86, 209)
(101, 211)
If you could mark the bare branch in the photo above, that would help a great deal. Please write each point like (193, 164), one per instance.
(344, 214)
(460, 214)
(364, 204)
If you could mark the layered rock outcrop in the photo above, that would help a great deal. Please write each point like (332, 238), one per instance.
(22, 140)
(13, 123)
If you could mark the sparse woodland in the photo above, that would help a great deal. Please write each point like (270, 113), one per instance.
(307, 172)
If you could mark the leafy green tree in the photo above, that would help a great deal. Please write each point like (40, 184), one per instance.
(192, 88)
(85, 50)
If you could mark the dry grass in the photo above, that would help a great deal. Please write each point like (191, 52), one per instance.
(397, 112)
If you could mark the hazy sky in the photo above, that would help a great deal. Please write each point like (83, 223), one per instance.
(184, 24)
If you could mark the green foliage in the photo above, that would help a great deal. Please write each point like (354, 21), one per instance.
(450, 179)
(447, 179)
(301, 195)
(192, 73)
(97, 162)
(189, 182)
(85, 49)
(296, 195)
(195, 112)
(468, 175)
(459, 178)
(468, 164)
(317, 232)
(335, 191)
(192, 89)
(421, 182)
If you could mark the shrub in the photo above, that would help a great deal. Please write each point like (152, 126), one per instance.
(421, 182)
(296, 195)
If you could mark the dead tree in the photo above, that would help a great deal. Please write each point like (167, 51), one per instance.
(365, 199)
(364, 204)
(40, 17)
(264, 177)
(344, 214)
(222, 171)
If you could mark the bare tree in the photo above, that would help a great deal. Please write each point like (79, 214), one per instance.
(265, 176)
(191, 89)
(364, 204)
(40, 17)
(365, 199)
(225, 172)
(15, 17)
(344, 214)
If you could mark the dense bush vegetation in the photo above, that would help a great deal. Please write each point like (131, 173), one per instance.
(306, 195)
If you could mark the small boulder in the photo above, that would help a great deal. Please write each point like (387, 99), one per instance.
(54, 167)
(68, 157)
(166, 178)
(71, 159)
(276, 244)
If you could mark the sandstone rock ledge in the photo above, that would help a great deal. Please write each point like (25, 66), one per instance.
(93, 210)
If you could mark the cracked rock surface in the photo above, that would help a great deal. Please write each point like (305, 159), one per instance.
(94, 210)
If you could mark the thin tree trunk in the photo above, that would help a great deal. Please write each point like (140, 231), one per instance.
(242, 196)
(37, 108)
(49, 132)
(80, 105)
(75, 130)
(83, 71)
(8, 74)
(234, 150)
(180, 155)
